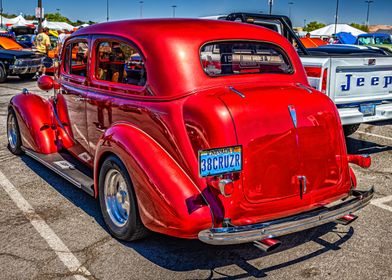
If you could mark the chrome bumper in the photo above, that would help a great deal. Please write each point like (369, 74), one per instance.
(353, 116)
(275, 228)
(30, 69)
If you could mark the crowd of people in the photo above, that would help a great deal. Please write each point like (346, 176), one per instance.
(42, 43)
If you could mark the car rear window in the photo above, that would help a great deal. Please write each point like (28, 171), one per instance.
(242, 57)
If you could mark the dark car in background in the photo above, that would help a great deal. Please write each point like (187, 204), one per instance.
(25, 40)
(19, 63)
(380, 40)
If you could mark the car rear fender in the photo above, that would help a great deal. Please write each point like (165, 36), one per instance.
(35, 119)
(162, 187)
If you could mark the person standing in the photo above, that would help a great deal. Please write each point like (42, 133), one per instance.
(42, 43)
(61, 38)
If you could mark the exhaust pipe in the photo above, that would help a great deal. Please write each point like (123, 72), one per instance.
(347, 219)
(267, 245)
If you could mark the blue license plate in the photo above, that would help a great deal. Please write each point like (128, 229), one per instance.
(220, 161)
(367, 109)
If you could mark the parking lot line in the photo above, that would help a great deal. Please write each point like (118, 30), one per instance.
(375, 135)
(380, 202)
(61, 250)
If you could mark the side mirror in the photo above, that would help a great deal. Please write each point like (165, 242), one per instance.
(46, 83)
(47, 62)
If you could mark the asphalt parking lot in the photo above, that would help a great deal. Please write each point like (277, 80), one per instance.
(47, 227)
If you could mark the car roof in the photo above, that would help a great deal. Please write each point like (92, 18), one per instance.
(171, 48)
(375, 35)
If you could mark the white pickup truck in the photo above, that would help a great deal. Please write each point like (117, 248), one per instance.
(357, 78)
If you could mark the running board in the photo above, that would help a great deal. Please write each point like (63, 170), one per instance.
(66, 168)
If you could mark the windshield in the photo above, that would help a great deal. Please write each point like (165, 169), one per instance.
(242, 57)
(382, 40)
(370, 40)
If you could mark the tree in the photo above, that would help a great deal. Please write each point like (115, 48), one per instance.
(53, 17)
(57, 17)
(9, 15)
(360, 26)
(313, 25)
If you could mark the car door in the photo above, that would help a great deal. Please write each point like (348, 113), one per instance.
(74, 88)
(117, 75)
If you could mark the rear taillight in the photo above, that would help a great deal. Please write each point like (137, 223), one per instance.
(225, 184)
(324, 81)
(313, 72)
(318, 74)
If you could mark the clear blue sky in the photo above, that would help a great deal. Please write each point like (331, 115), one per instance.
(320, 10)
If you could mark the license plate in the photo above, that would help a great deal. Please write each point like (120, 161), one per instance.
(220, 161)
(367, 109)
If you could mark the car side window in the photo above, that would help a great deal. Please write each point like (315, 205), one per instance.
(76, 58)
(119, 62)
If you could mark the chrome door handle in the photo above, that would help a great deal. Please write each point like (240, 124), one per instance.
(81, 99)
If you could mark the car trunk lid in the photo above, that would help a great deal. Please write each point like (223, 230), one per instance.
(291, 144)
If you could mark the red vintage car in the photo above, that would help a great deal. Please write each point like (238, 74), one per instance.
(191, 128)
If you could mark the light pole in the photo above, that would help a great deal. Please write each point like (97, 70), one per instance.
(1, 12)
(107, 10)
(336, 14)
(290, 4)
(174, 10)
(368, 11)
(304, 23)
(141, 8)
(270, 3)
(40, 16)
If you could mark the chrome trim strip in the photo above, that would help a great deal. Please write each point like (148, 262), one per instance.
(305, 87)
(65, 176)
(237, 92)
(362, 69)
(275, 228)
(293, 115)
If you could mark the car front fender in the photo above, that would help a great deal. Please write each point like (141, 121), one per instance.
(162, 187)
(35, 120)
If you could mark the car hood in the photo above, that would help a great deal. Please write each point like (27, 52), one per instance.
(17, 54)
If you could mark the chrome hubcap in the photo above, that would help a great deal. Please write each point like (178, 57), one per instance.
(116, 197)
(11, 131)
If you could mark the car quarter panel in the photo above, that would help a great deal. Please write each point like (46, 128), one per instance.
(162, 187)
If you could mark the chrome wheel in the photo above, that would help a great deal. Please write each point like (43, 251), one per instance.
(116, 197)
(12, 131)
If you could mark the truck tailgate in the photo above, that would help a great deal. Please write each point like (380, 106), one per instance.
(359, 80)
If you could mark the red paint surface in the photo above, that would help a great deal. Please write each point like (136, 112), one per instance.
(157, 129)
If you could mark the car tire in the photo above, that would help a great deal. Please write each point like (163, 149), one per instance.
(116, 193)
(350, 129)
(26, 77)
(3, 73)
(13, 133)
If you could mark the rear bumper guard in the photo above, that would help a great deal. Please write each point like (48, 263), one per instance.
(249, 233)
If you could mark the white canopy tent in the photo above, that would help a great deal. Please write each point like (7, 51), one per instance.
(82, 26)
(329, 30)
(18, 21)
(57, 25)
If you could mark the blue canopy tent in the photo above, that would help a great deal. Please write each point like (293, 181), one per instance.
(346, 38)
